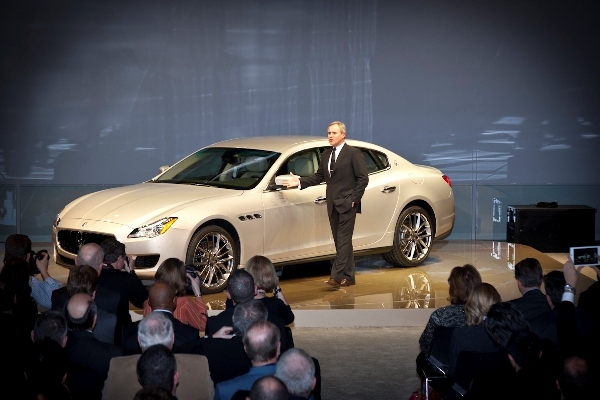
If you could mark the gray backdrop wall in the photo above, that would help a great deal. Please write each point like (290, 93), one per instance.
(503, 96)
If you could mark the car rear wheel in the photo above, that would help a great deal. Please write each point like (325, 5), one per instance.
(412, 238)
(214, 254)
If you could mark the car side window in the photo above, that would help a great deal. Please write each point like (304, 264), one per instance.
(303, 163)
(375, 160)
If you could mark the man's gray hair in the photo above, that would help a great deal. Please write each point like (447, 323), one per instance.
(245, 314)
(90, 254)
(155, 328)
(296, 369)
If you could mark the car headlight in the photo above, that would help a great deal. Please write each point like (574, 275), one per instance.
(154, 229)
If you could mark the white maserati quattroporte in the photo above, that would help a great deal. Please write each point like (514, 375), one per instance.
(221, 205)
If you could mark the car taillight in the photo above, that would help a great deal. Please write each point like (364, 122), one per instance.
(447, 179)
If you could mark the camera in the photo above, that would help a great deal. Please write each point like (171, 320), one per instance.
(33, 256)
(189, 269)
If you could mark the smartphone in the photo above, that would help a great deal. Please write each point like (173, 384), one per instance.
(585, 255)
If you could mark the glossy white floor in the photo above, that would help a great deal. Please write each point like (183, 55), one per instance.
(388, 296)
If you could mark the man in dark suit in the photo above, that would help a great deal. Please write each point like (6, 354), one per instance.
(528, 273)
(343, 169)
(85, 352)
(161, 298)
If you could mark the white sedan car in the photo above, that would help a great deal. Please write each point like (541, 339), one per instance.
(221, 205)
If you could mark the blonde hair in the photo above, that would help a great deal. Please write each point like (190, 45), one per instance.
(263, 272)
(482, 297)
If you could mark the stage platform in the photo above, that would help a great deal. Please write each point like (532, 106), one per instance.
(386, 295)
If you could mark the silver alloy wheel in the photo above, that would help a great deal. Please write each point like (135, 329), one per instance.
(413, 238)
(213, 252)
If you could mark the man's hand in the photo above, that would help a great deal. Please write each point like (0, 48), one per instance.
(42, 265)
(128, 263)
(225, 332)
(571, 273)
(294, 181)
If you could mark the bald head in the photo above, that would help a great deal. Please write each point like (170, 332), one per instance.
(261, 342)
(161, 296)
(90, 254)
(81, 312)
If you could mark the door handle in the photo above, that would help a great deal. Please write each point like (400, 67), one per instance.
(320, 200)
(388, 189)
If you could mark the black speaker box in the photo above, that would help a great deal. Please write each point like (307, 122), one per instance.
(551, 230)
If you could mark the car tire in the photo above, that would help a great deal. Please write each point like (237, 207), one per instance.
(413, 238)
(214, 254)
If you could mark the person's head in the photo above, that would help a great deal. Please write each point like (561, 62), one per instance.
(504, 319)
(157, 367)
(263, 272)
(296, 369)
(46, 365)
(336, 133)
(90, 254)
(575, 380)
(114, 251)
(462, 280)
(479, 302)
(245, 314)
(81, 312)
(16, 246)
(554, 284)
(261, 342)
(268, 388)
(240, 286)
(172, 271)
(161, 296)
(154, 329)
(524, 349)
(528, 273)
(50, 325)
(82, 279)
(153, 393)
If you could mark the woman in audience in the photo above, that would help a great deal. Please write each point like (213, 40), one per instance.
(190, 311)
(266, 281)
(15, 274)
(462, 280)
(473, 336)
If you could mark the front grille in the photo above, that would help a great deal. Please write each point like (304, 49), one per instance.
(71, 241)
(148, 261)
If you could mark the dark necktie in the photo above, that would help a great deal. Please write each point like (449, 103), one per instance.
(332, 161)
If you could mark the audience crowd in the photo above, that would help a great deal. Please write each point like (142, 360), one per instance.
(79, 341)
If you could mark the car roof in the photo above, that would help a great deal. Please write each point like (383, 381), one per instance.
(271, 143)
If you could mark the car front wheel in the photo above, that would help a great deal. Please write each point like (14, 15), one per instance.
(412, 238)
(214, 254)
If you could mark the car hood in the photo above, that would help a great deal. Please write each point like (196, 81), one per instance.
(139, 204)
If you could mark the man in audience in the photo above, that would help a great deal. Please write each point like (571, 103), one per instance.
(241, 289)
(575, 380)
(118, 274)
(157, 367)
(50, 325)
(504, 319)
(19, 246)
(296, 369)
(83, 349)
(156, 328)
(261, 342)
(84, 279)
(532, 304)
(268, 388)
(162, 298)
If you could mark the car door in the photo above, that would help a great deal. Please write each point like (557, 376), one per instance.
(296, 222)
(378, 204)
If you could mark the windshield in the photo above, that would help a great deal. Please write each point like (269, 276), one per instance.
(221, 167)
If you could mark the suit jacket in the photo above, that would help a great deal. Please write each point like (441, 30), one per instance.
(106, 299)
(194, 378)
(225, 318)
(83, 349)
(226, 390)
(532, 304)
(130, 287)
(183, 334)
(347, 182)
